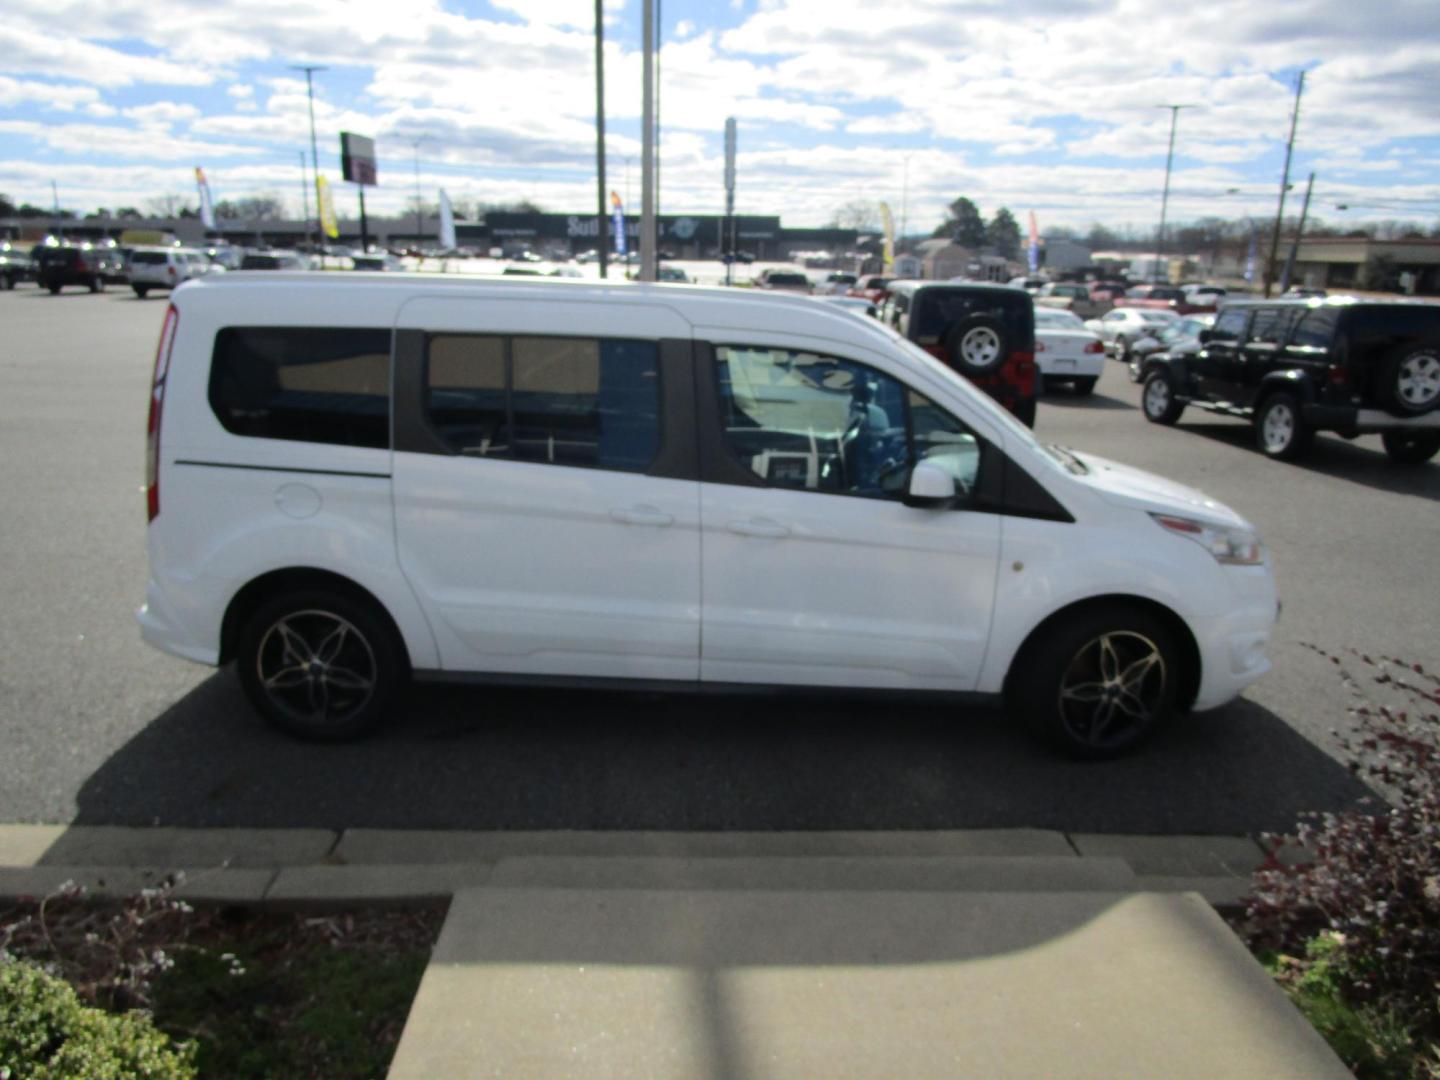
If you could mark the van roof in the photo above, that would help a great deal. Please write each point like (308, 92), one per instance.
(698, 303)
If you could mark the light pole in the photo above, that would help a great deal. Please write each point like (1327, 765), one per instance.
(1165, 195)
(310, 70)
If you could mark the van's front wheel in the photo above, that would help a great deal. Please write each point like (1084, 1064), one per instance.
(320, 665)
(1099, 683)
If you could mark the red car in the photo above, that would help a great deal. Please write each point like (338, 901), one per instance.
(1166, 297)
(871, 288)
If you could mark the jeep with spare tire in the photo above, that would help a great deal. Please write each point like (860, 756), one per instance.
(984, 332)
(1295, 367)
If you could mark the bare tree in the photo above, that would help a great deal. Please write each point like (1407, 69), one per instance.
(862, 215)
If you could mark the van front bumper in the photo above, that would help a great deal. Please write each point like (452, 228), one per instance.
(1233, 645)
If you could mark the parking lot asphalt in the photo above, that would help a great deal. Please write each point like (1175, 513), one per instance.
(97, 728)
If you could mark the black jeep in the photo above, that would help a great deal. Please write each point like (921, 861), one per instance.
(1295, 367)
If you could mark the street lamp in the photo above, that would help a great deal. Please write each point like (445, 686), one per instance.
(1165, 195)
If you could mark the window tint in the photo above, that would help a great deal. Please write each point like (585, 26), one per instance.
(148, 258)
(1269, 325)
(818, 423)
(1230, 325)
(566, 401)
(308, 384)
(1316, 329)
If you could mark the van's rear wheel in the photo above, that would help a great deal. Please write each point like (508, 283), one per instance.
(1098, 684)
(320, 665)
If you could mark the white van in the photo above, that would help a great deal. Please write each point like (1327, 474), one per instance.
(359, 480)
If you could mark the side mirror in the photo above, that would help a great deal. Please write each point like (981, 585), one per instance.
(930, 488)
(1205, 337)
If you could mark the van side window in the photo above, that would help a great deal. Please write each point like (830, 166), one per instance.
(825, 424)
(307, 384)
(566, 401)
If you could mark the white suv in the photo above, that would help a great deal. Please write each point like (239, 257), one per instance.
(166, 268)
(358, 481)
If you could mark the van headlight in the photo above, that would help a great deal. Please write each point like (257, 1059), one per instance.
(1238, 547)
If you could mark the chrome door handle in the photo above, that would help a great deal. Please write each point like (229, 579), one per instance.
(642, 515)
(759, 527)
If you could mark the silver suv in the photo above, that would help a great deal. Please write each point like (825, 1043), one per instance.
(166, 267)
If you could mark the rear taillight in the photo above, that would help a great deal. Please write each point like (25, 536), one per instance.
(1338, 375)
(170, 270)
(1094, 347)
(157, 403)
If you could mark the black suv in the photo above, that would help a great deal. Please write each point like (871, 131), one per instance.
(1295, 367)
(68, 264)
(985, 332)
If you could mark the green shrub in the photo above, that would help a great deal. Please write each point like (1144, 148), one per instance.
(46, 1033)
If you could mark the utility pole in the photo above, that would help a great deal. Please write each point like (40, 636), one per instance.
(600, 237)
(1299, 230)
(647, 148)
(1284, 183)
(55, 197)
(905, 199)
(310, 70)
(1165, 195)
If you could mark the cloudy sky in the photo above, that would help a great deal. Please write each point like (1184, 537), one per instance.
(1043, 105)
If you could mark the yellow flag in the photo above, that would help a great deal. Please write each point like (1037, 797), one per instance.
(328, 224)
(889, 222)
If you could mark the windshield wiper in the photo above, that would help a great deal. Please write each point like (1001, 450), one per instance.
(1068, 459)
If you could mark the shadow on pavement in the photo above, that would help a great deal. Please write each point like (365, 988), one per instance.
(1067, 399)
(471, 758)
(1335, 457)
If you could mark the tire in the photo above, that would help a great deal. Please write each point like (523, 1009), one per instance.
(141, 290)
(1122, 350)
(97, 284)
(1157, 400)
(9, 282)
(54, 289)
(978, 345)
(1410, 448)
(1409, 380)
(321, 665)
(1085, 387)
(1099, 683)
(1280, 431)
(1024, 411)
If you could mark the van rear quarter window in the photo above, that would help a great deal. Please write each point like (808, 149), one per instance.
(565, 401)
(304, 384)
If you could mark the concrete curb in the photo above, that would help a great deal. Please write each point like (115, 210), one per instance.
(320, 866)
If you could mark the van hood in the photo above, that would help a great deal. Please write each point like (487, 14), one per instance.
(1141, 490)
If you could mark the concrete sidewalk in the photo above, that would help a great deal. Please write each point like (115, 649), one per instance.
(1007, 953)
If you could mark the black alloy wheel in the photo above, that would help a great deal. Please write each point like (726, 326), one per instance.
(1099, 683)
(320, 665)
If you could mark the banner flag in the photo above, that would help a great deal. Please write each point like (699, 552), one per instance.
(328, 223)
(1034, 252)
(889, 223)
(617, 219)
(207, 208)
(447, 222)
